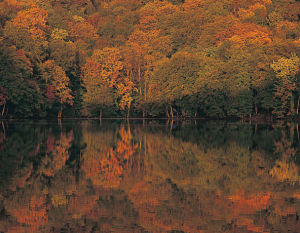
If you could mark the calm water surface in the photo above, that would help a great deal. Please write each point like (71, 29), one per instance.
(118, 176)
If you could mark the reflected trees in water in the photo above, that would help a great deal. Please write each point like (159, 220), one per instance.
(209, 177)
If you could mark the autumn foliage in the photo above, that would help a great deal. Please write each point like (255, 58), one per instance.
(151, 58)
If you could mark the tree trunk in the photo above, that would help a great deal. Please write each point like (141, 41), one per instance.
(167, 113)
(94, 4)
(255, 129)
(107, 10)
(292, 108)
(183, 113)
(128, 112)
(60, 112)
(3, 110)
(298, 102)
(255, 109)
(171, 125)
(171, 112)
(139, 77)
(100, 114)
(6, 112)
(3, 127)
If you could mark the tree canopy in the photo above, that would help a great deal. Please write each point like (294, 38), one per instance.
(224, 58)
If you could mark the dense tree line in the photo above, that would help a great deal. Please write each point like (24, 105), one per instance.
(176, 58)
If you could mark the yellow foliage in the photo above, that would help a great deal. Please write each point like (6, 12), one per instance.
(58, 200)
(286, 67)
(57, 78)
(284, 171)
(59, 34)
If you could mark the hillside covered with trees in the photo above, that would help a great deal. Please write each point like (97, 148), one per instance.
(176, 58)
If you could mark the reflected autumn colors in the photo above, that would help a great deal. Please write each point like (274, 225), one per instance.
(119, 176)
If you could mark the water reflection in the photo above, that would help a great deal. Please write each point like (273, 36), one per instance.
(116, 176)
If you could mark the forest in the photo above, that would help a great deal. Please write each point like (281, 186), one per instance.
(149, 58)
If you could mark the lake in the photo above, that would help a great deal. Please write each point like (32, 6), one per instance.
(149, 176)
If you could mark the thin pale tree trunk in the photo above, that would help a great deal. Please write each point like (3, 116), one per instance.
(3, 127)
(255, 108)
(60, 112)
(3, 110)
(292, 108)
(100, 117)
(128, 113)
(100, 114)
(171, 125)
(171, 112)
(298, 103)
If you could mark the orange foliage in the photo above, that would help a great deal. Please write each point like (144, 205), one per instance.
(125, 149)
(246, 33)
(242, 204)
(146, 199)
(82, 30)
(125, 89)
(14, 3)
(25, 59)
(34, 20)
(190, 5)
(249, 223)
(105, 169)
(258, 8)
(151, 13)
(16, 229)
(32, 213)
(251, 203)
(140, 193)
(20, 182)
(151, 200)
(58, 79)
(283, 27)
(50, 143)
(59, 155)
(149, 44)
(96, 20)
(82, 205)
(103, 66)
